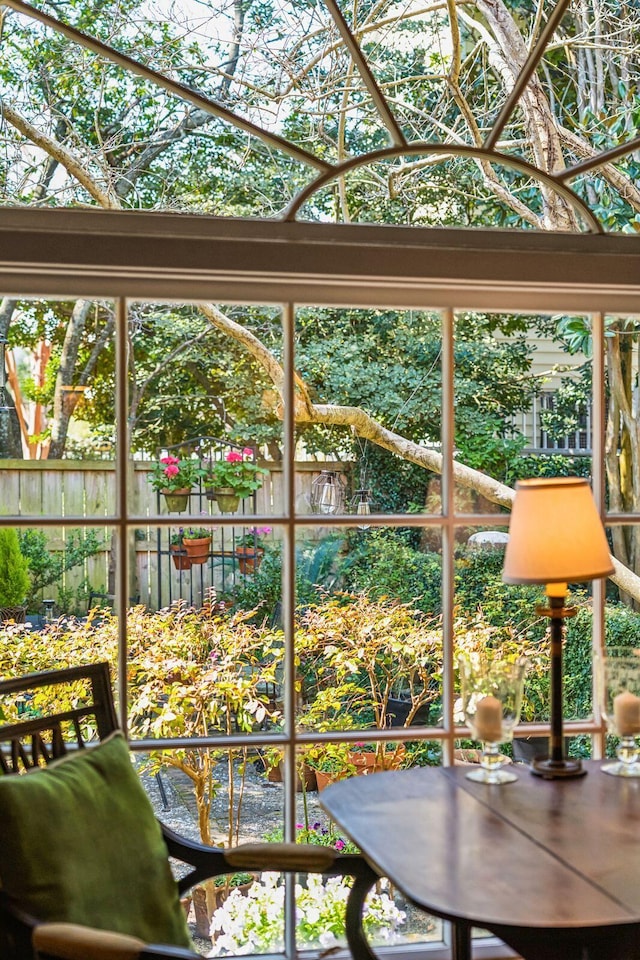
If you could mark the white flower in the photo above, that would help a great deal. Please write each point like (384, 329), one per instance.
(254, 922)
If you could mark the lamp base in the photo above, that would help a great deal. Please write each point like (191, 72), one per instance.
(556, 769)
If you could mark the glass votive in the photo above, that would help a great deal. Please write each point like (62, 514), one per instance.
(618, 690)
(491, 703)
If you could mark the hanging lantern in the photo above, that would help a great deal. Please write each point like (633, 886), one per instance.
(327, 493)
(361, 505)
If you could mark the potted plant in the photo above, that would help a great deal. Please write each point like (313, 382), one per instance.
(197, 543)
(331, 762)
(233, 478)
(249, 548)
(14, 577)
(174, 478)
(181, 559)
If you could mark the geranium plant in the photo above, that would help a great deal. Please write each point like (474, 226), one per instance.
(238, 471)
(173, 473)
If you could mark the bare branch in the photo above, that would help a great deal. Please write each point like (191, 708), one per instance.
(60, 153)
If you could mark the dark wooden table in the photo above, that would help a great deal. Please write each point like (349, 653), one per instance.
(550, 867)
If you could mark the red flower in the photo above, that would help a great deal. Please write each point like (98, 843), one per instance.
(170, 460)
(233, 457)
(171, 470)
(247, 452)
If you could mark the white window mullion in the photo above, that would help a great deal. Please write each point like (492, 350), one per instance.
(448, 530)
(122, 509)
(598, 416)
(288, 616)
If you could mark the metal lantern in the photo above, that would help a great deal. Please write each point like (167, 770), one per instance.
(327, 493)
(361, 505)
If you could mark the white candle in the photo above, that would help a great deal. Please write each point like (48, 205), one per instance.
(488, 721)
(626, 714)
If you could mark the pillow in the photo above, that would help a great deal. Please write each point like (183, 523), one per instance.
(79, 843)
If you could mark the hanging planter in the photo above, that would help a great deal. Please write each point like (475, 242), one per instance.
(176, 500)
(233, 478)
(179, 556)
(197, 543)
(227, 499)
(174, 478)
(249, 558)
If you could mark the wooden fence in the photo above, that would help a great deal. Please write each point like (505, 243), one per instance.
(65, 488)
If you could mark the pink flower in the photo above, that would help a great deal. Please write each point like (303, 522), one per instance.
(233, 457)
(169, 459)
(171, 470)
(340, 845)
(247, 452)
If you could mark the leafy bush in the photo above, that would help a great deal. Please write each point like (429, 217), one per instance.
(317, 572)
(479, 586)
(46, 567)
(384, 565)
(14, 578)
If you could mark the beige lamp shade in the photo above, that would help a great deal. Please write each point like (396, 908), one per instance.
(555, 534)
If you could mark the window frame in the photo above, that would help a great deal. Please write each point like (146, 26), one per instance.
(124, 256)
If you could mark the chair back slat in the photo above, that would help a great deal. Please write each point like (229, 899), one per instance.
(38, 740)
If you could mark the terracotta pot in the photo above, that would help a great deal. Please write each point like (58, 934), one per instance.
(198, 549)
(227, 498)
(249, 558)
(369, 762)
(177, 500)
(179, 556)
(325, 778)
(306, 779)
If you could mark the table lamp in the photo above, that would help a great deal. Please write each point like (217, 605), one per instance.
(556, 537)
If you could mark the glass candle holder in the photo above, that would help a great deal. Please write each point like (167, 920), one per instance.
(491, 703)
(618, 691)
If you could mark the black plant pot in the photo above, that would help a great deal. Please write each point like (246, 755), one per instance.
(398, 713)
(527, 749)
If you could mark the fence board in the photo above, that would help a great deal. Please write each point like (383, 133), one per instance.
(9, 493)
(86, 489)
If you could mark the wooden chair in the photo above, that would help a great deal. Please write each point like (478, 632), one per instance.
(36, 740)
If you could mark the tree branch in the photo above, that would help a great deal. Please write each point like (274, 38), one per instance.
(62, 155)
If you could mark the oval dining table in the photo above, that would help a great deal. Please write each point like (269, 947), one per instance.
(551, 867)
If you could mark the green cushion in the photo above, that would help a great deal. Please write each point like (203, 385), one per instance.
(79, 843)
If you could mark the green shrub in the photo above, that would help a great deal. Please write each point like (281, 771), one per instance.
(46, 567)
(14, 577)
(317, 573)
(384, 565)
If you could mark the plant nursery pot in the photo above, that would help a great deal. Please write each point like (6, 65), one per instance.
(17, 613)
(197, 550)
(177, 500)
(249, 558)
(179, 556)
(398, 713)
(228, 500)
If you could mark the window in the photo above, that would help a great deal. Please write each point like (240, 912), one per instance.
(349, 191)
